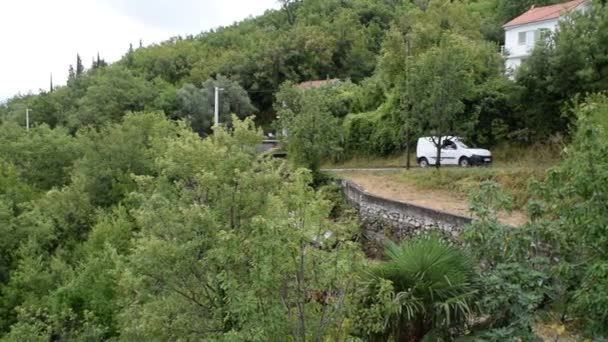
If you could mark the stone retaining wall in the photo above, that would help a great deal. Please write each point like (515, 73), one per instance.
(384, 217)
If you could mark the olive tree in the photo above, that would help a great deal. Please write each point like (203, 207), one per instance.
(197, 105)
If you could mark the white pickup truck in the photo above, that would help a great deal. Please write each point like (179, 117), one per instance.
(453, 152)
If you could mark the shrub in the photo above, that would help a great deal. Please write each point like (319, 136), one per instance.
(433, 289)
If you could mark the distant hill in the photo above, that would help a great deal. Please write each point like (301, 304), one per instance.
(304, 40)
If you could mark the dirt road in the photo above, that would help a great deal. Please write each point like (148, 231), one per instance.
(375, 183)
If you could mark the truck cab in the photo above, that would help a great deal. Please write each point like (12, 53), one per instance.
(453, 152)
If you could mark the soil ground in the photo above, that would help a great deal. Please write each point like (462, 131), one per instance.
(379, 183)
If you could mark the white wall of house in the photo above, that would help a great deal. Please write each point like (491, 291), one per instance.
(521, 39)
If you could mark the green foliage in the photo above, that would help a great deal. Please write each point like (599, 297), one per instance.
(576, 191)
(375, 133)
(238, 244)
(569, 63)
(135, 228)
(112, 92)
(429, 27)
(433, 289)
(159, 234)
(311, 131)
(556, 262)
(394, 58)
(14, 191)
(43, 156)
(440, 84)
(197, 105)
(115, 153)
(515, 278)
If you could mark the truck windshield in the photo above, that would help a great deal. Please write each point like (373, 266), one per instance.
(461, 144)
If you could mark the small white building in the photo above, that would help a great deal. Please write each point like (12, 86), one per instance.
(522, 33)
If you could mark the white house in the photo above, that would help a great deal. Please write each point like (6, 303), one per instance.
(522, 33)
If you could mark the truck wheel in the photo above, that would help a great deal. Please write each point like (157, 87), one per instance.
(464, 162)
(423, 163)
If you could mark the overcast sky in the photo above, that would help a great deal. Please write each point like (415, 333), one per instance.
(40, 37)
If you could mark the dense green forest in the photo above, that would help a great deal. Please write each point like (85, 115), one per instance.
(364, 44)
(125, 216)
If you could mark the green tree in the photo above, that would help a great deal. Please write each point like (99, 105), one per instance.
(71, 73)
(197, 105)
(43, 156)
(558, 259)
(394, 66)
(114, 153)
(442, 80)
(111, 93)
(14, 192)
(98, 62)
(79, 66)
(243, 241)
(310, 131)
(561, 66)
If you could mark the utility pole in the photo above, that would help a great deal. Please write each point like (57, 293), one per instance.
(27, 119)
(407, 89)
(217, 106)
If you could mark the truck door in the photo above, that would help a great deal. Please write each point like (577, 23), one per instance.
(449, 153)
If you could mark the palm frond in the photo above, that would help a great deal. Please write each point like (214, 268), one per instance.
(432, 280)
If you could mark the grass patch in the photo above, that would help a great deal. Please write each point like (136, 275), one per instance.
(536, 156)
(513, 179)
(396, 160)
(513, 169)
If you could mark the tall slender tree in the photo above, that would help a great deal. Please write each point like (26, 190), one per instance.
(71, 73)
(79, 65)
(98, 62)
(393, 67)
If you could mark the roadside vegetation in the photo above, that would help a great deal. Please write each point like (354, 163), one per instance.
(125, 216)
(537, 156)
(152, 232)
(513, 168)
(461, 182)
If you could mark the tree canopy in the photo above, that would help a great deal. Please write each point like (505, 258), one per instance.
(124, 216)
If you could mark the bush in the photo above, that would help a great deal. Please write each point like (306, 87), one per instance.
(373, 133)
(558, 262)
(433, 289)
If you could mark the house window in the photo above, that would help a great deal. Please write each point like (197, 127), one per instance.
(522, 38)
(544, 33)
(541, 34)
(536, 35)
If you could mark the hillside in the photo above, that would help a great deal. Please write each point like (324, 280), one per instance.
(305, 40)
(125, 216)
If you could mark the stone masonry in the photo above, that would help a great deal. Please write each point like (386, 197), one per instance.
(385, 218)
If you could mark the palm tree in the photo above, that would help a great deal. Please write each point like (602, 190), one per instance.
(433, 288)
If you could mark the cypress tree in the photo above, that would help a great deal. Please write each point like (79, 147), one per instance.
(100, 61)
(71, 74)
(129, 56)
(79, 66)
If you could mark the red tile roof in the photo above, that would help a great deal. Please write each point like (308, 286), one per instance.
(316, 84)
(535, 14)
